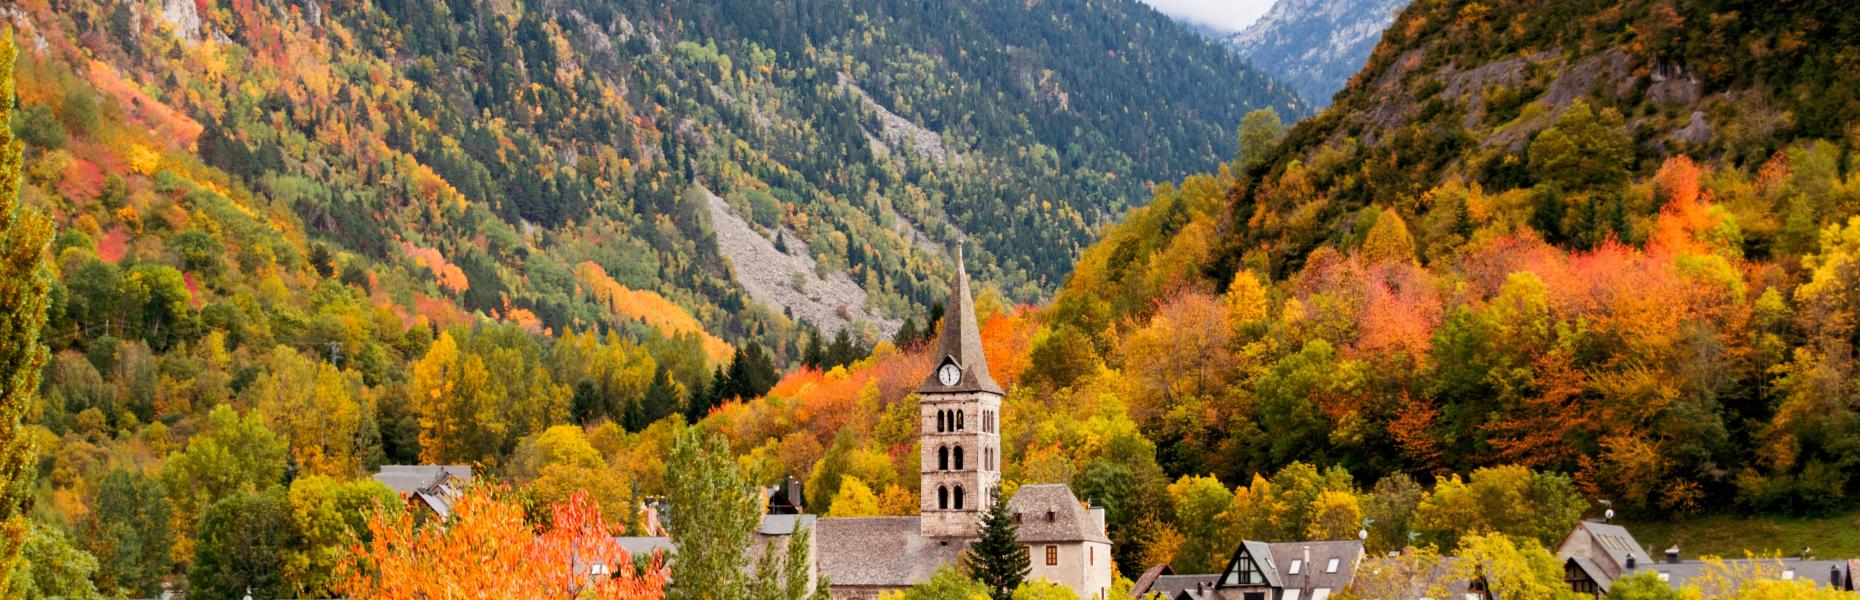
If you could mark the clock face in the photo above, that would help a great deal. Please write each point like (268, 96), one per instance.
(949, 374)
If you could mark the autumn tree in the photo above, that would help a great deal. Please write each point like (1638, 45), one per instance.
(1388, 239)
(1513, 567)
(854, 499)
(1199, 500)
(488, 550)
(310, 403)
(1508, 500)
(24, 281)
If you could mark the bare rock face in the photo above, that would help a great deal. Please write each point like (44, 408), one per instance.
(182, 19)
(791, 280)
(1315, 45)
(1696, 131)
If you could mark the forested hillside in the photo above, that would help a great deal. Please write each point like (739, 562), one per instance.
(1613, 240)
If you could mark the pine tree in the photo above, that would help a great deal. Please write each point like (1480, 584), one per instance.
(996, 558)
(24, 281)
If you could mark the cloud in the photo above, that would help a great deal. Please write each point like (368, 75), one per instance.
(1221, 15)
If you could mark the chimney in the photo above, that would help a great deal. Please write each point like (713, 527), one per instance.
(1630, 562)
(1672, 555)
(1834, 576)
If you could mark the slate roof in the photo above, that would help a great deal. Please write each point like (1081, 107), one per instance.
(434, 485)
(881, 551)
(1593, 571)
(645, 546)
(1817, 571)
(1316, 574)
(1148, 579)
(1051, 513)
(961, 341)
(1614, 541)
(1172, 585)
(784, 524)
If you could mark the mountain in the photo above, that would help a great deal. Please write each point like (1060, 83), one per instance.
(517, 141)
(1315, 45)
(1605, 239)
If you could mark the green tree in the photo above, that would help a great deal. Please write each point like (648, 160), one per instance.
(24, 284)
(55, 568)
(241, 544)
(1199, 500)
(996, 558)
(1584, 150)
(947, 584)
(235, 455)
(327, 516)
(128, 532)
(783, 575)
(1260, 131)
(713, 511)
(1041, 589)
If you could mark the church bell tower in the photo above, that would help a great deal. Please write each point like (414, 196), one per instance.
(960, 410)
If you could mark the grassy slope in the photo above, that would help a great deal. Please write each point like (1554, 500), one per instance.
(1731, 535)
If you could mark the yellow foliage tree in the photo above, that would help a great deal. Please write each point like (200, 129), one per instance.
(854, 499)
(1388, 239)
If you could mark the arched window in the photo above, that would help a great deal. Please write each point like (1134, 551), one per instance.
(959, 420)
(942, 458)
(939, 421)
(959, 497)
(958, 458)
(942, 497)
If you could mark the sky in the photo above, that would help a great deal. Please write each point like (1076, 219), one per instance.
(1222, 15)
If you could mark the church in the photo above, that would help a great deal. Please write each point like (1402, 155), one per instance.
(960, 446)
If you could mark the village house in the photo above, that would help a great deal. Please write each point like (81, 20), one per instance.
(429, 488)
(1264, 571)
(1595, 555)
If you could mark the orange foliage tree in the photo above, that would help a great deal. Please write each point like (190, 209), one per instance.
(486, 550)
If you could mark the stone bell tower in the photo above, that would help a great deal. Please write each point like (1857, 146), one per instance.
(960, 407)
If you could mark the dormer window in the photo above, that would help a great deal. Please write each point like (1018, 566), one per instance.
(1049, 516)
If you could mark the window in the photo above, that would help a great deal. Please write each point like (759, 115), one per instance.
(1296, 565)
(1320, 594)
(942, 458)
(958, 460)
(1329, 568)
(1665, 577)
(959, 420)
(1091, 555)
(1052, 556)
(1291, 594)
(958, 497)
(942, 497)
(1788, 574)
(939, 421)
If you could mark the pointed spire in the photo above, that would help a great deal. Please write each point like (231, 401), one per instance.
(961, 341)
